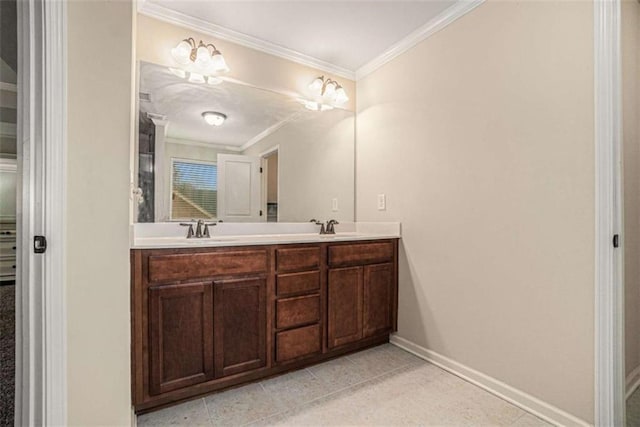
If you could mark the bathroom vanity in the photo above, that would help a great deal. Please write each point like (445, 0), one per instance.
(264, 292)
(206, 318)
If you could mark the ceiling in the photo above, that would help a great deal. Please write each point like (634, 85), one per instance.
(347, 34)
(251, 112)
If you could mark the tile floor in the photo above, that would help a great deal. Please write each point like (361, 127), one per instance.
(381, 386)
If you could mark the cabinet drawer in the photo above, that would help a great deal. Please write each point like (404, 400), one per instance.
(287, 284)
(363, 253)
(297, 343)
(206, 264)
(297, 311)
(295, 259)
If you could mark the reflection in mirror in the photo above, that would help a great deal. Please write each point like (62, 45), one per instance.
(237, 153)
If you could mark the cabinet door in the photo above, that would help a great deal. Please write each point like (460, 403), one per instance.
(181, 336)
(378, 299)
(345, 305)
(240, 325)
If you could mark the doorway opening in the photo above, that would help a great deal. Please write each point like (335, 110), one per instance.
(270, 184)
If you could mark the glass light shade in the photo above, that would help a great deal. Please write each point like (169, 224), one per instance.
(214, 118)
(214, 80)
(196, 78)
(203, 58)
(330, 91)
(179, 72)
(316, 85)
(182, 52)
(218, 62)
(341, 96)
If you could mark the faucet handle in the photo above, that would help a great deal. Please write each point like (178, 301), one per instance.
(190, 230)
(206, 228)
(321, 224)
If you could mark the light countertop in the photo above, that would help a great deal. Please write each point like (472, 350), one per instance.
(171, 235)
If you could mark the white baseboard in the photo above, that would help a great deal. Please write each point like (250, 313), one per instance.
(504, 391)
(633, 380)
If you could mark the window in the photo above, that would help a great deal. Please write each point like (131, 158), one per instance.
(194, 189)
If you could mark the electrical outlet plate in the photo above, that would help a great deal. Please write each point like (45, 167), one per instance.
(382, 202)
(334, 205)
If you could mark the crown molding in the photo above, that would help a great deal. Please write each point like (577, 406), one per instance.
(268, 131)
(171, 140)
(196, 24)
(457, 10)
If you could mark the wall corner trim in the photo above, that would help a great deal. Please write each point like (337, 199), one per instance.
(196, 24)
(504, 391)
(457, 10)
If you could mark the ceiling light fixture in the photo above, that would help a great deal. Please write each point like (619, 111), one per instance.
(201, 59)
(214, 118)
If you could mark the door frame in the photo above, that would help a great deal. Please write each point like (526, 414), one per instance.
(41, 374)
(265, 177)
(609, 279)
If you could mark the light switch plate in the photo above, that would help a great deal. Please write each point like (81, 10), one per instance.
(334, 205)
(382, 202)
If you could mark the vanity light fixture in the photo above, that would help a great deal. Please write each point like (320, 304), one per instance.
(214, 118)
(200, 61)
(329, 90)
(206, 57)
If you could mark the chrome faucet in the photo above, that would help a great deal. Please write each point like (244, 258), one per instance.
(199, 225)
(330, 226)
(202, 229)
(316, 222)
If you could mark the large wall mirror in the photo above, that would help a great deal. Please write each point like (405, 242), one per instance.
(225, 150)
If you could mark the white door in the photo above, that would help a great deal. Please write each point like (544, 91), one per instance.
(239, 188)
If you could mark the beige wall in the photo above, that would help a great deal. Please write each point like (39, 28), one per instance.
(315, 165)
(631, 166)
(98, 153)
(482, 139)
(156, 38)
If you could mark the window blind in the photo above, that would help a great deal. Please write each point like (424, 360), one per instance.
(194, 190)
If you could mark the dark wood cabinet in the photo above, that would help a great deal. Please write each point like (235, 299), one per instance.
(361, 302)
(377, 299)
(240, 325)
(181, 342)
(205, 319)
(345, 305)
